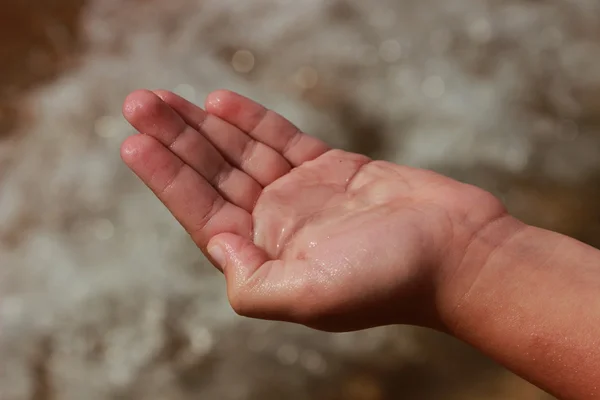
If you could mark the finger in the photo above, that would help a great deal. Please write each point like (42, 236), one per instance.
(266, 126)
(200, 209)
(152, 116)
(258, 286)
(254, 158)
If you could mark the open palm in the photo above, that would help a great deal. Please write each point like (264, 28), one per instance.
(303, 233)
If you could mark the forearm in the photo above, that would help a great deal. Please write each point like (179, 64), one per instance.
(530, 299)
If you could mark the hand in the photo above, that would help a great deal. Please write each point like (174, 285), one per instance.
(325, 238)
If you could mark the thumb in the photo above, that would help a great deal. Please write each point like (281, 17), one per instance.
(255, 287)
(235, 255)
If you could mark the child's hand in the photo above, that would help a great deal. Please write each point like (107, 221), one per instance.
(338, 242)
(326, 238)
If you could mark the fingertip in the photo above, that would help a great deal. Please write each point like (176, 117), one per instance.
(182, 106)
(240, 252)
(130, 148)
(221, 248)
(139, 102)
(228, 242)
(222, 102)
(187, 110)
(136, 147)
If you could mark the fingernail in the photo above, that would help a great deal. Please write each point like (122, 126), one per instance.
(218, 255)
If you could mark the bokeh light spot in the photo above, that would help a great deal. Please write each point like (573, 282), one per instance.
(243, 61)
(390, 51)
(433, 87)
(307, 78)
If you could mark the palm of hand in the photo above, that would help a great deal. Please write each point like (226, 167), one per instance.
(322, 237)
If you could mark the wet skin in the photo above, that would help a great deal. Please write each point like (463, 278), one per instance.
(318, 236)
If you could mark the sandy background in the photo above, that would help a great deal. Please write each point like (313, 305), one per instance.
(102, 296)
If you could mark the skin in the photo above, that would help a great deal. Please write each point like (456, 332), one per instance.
(339, 242)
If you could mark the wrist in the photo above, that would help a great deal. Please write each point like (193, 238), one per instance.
(473, 253)
(527, 297)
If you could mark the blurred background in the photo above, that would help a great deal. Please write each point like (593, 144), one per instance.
(103, 296)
